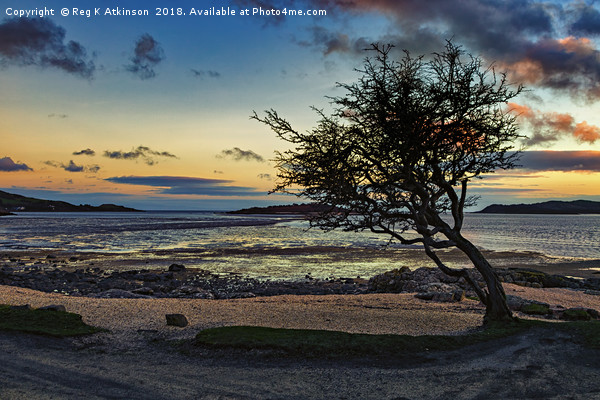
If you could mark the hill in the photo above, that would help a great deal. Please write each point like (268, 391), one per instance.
(285, 209)
(14, 202)
(547, 207)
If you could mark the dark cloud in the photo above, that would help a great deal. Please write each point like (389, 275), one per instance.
(72, 167)
(141, 152)
(587, 20)
(525, 37)
(267, 177)
(548, 127)
(241, 155)
(147, 55)
(61, 116)
(208, 73)
(38, 41)
(87, 152)
(8, 165)
(566, 161)
(181, 185)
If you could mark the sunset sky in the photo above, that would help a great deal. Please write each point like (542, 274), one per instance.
(153, 111)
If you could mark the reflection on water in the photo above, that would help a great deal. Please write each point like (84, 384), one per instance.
(282, 246)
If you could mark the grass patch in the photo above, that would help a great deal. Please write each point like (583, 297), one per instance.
(536, 309)
(44, 322)
(317, 343)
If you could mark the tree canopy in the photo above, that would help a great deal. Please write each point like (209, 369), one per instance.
(400, 149)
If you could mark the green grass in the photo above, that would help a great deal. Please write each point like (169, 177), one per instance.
(43, 322)
(536, 309)
(315, 343)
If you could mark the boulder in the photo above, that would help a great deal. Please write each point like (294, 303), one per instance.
(176, 267)
(176, 320)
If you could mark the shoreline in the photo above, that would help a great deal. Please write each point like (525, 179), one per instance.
(160, 259)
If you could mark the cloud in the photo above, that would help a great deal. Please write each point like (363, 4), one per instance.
(566, 161)
(141, 152)
(61, 116)
(87, 152)
(147, 55)
(241, 155)
(587, 20)
(40, 42)
(548, 127)
(267, 177)
(525, 37)
(202, 74)
(181, 185)
(72, 167)
(8, 165)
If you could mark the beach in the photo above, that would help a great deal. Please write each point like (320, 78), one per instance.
(136, 359)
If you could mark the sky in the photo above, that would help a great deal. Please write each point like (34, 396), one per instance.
(153, 111)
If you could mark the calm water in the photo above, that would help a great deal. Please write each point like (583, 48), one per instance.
(280, 246)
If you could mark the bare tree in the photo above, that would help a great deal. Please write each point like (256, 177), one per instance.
(400, 150)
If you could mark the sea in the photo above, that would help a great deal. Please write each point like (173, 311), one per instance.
(283, 246)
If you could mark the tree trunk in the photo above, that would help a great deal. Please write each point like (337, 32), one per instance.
(495, 302)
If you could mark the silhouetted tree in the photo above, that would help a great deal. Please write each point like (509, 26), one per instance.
(400, 150)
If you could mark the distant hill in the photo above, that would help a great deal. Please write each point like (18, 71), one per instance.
(14, 202)
(547, 207)
(286, 209)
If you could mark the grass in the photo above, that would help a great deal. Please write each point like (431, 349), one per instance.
(43, 322)
(317, 343)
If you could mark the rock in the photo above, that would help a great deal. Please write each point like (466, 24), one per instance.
(54, 307)
(143, 291)
(442, 297)
(458, 295)
(515, 303)
(425, 296)
(176, 267)
(176, 320)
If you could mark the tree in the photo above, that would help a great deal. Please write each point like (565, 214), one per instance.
(399, 151)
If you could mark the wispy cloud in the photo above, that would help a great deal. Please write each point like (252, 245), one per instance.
(181, 185)
(8, 165)
(147, 55)
(144, 153)
(267, 177)
(208, 73)
(72, 167)
(238, 154)
(61, 116)
(40, 42)
(87, 152)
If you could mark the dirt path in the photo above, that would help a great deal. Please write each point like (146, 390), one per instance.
(539, 364)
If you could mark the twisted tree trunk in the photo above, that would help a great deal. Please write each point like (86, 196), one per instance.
(494, 297)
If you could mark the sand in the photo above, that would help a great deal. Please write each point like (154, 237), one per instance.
(135, 361)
